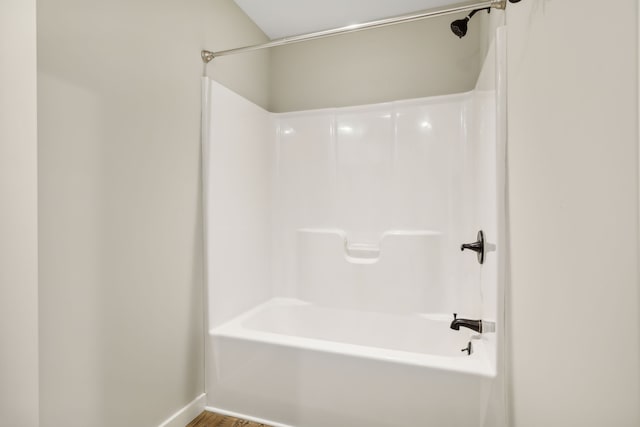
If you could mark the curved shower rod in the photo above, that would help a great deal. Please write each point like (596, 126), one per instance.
(207, 56)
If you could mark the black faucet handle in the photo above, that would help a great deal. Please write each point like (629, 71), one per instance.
(477, 246)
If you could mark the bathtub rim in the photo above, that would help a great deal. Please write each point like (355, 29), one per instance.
(477, 364)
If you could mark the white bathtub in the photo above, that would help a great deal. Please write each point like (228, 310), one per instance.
(412, 339)
(299, 364)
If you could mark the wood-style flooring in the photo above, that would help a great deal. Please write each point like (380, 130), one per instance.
(209, 419)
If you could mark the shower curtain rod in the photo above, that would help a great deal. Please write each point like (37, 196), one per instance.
(207, 56)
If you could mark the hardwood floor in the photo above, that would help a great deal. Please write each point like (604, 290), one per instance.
(209, 419)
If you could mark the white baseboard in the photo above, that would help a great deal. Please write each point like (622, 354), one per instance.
(245, 417)
(185, 415)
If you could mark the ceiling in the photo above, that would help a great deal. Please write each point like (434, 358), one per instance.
(281, 18)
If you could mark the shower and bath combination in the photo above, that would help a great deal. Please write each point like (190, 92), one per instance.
(333, 254)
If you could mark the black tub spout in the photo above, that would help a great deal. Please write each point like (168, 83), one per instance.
(474, 325)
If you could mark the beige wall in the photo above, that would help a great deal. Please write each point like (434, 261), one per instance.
(121, 274)
(18, 216)
(121, 258)
(412, 60)
(573, 172)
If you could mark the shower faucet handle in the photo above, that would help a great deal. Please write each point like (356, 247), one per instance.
(477, 246)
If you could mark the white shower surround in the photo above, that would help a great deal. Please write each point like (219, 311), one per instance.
(334, 264)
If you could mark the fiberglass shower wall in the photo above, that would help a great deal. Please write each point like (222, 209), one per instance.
(368, 204)
(361, 208)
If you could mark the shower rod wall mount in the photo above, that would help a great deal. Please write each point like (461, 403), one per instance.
(208, 56)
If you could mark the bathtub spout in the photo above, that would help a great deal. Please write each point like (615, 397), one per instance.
(474, 325)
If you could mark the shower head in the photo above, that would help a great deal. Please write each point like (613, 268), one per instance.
(459, 27)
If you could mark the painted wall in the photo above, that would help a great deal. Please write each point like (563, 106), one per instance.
(120, 229)
(18, 216)
(413, 60)
(121, 237)
(573, 172)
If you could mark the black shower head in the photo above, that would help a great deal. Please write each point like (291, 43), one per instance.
(459, 27)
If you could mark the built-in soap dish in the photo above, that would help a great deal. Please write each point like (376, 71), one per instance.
(361, 253)
(368, 252)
